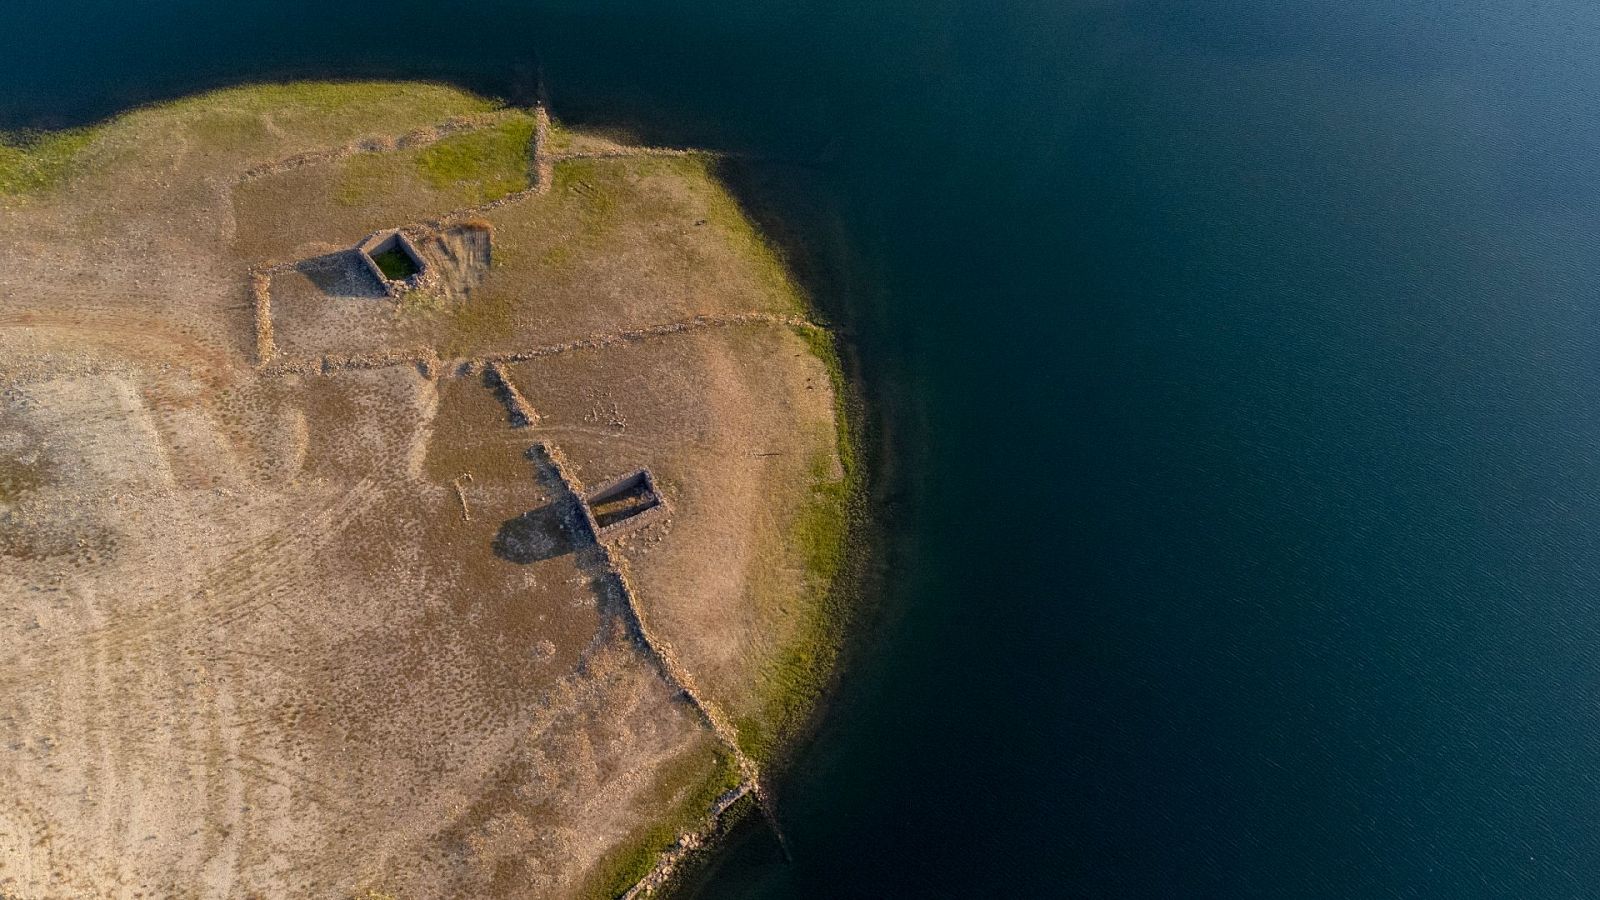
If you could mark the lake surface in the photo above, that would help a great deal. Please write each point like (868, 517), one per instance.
(1242, 361)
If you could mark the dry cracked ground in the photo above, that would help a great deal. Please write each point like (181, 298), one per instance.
(307, 619)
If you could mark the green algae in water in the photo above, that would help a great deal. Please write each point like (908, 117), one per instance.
(395, 264)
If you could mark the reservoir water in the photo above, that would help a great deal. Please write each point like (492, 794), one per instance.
(1241, 366)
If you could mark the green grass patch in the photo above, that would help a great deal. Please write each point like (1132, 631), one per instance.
(820, 342)
(311, 98)
(237, 118)
(32, 162)
(482, 165)
(698, 784)
(329, 108)
(468, 168)
(794, 679)
(395, 264)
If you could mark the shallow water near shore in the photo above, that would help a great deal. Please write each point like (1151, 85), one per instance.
(1240, 365)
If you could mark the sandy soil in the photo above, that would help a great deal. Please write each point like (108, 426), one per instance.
(314, 630)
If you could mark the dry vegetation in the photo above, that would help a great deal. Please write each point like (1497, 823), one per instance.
(303, 630)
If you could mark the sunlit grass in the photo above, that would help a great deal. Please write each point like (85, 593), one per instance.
(482, 164)
(31, 162)
(699, 783)
(793, 680)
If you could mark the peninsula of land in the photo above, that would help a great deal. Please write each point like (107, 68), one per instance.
(401, 495)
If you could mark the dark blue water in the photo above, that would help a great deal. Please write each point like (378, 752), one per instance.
(1242, 362)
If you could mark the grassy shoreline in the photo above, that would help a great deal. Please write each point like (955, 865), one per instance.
(847, 548)
(796, 680)
(844, 547)
(34, 162)
(835, 540)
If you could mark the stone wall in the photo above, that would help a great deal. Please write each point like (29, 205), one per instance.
(395, 239)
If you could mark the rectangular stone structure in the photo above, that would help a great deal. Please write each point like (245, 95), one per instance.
(623, 504)
(394, 240)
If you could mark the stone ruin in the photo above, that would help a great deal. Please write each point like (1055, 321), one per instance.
(392, 246)
(623, 504)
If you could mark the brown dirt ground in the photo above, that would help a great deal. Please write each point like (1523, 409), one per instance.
(255, 649)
